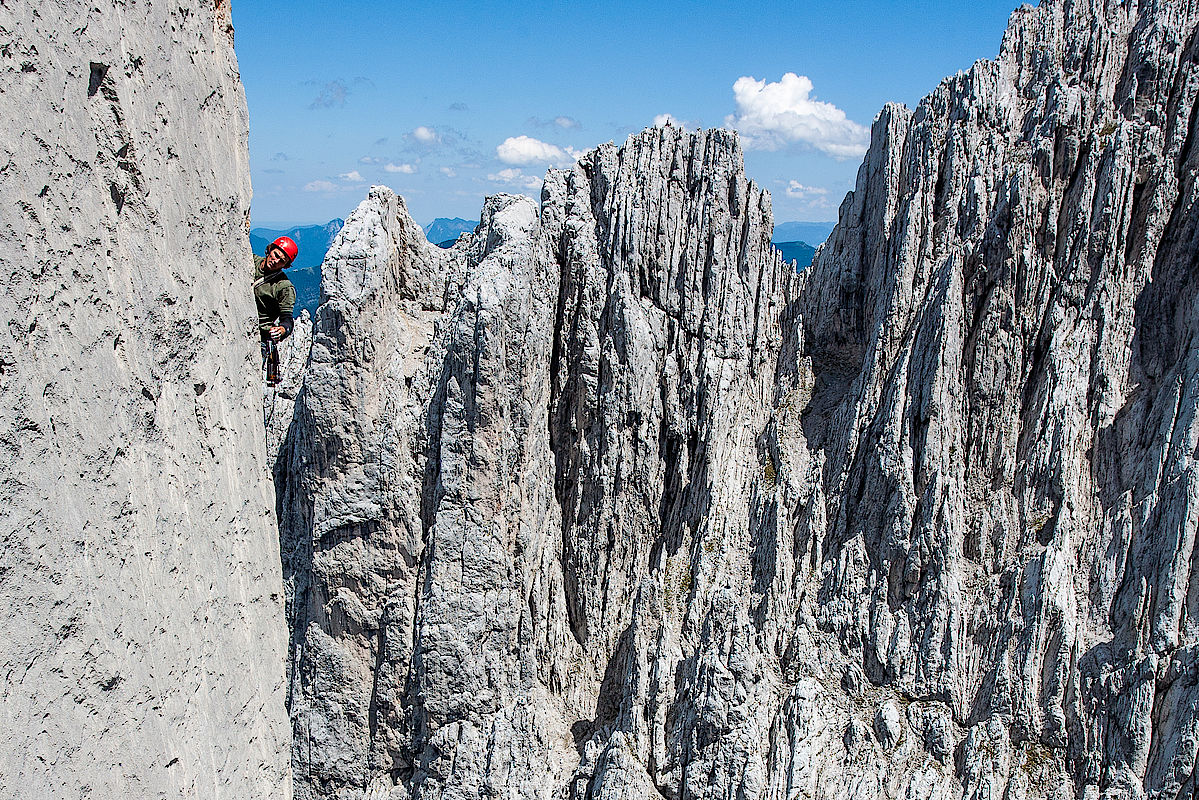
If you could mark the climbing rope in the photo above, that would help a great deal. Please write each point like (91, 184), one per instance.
(270, 370)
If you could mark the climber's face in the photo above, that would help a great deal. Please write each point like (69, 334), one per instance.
(276, 259)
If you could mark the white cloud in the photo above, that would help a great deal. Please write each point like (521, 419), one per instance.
(772, 115)
(813, 194)
(370, 160)
(353, 176)
(515, 176)
(425, 135)
(567, 122)
(662, 120)
(448, 172)
(404, 169)
(527, 150)
(320, 186)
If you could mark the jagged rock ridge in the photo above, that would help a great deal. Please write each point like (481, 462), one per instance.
(605, 502)
(451, 410)
(143, 648)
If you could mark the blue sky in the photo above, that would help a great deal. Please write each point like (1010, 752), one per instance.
(449, 102)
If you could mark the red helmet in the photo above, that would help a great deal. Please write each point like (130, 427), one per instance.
(287, 246)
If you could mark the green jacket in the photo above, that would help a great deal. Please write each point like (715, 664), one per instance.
(275, 296)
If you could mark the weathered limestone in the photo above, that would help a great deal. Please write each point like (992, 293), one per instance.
(605, 502)
(351, 474)
(278, 402)
(443, 611)
(1004, 503)
(142, 642)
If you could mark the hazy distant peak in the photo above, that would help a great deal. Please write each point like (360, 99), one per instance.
(448, 229)
(814, 233)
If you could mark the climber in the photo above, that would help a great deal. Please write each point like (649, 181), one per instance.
(275, 297)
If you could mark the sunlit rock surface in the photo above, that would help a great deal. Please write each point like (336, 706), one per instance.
(142, 641)
(278, 402)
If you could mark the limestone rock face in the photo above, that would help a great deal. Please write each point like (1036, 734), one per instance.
(499, 459)
(143, 644)
(278, 402)
(607, 502)
(992, 460)
(351, 479)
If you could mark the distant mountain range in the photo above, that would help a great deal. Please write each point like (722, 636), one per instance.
(314, 241)
(444, 231)
(305, 273)
(814, 233)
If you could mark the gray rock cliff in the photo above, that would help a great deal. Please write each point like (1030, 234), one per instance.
(993, 357)
(141, 644)
(606, 502)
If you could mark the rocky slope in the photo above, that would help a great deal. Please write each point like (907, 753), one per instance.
(142, 638)
(604, 501)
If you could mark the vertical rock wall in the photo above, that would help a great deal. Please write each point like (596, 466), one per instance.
(278, 403)
(142, 629)
(994, 454)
